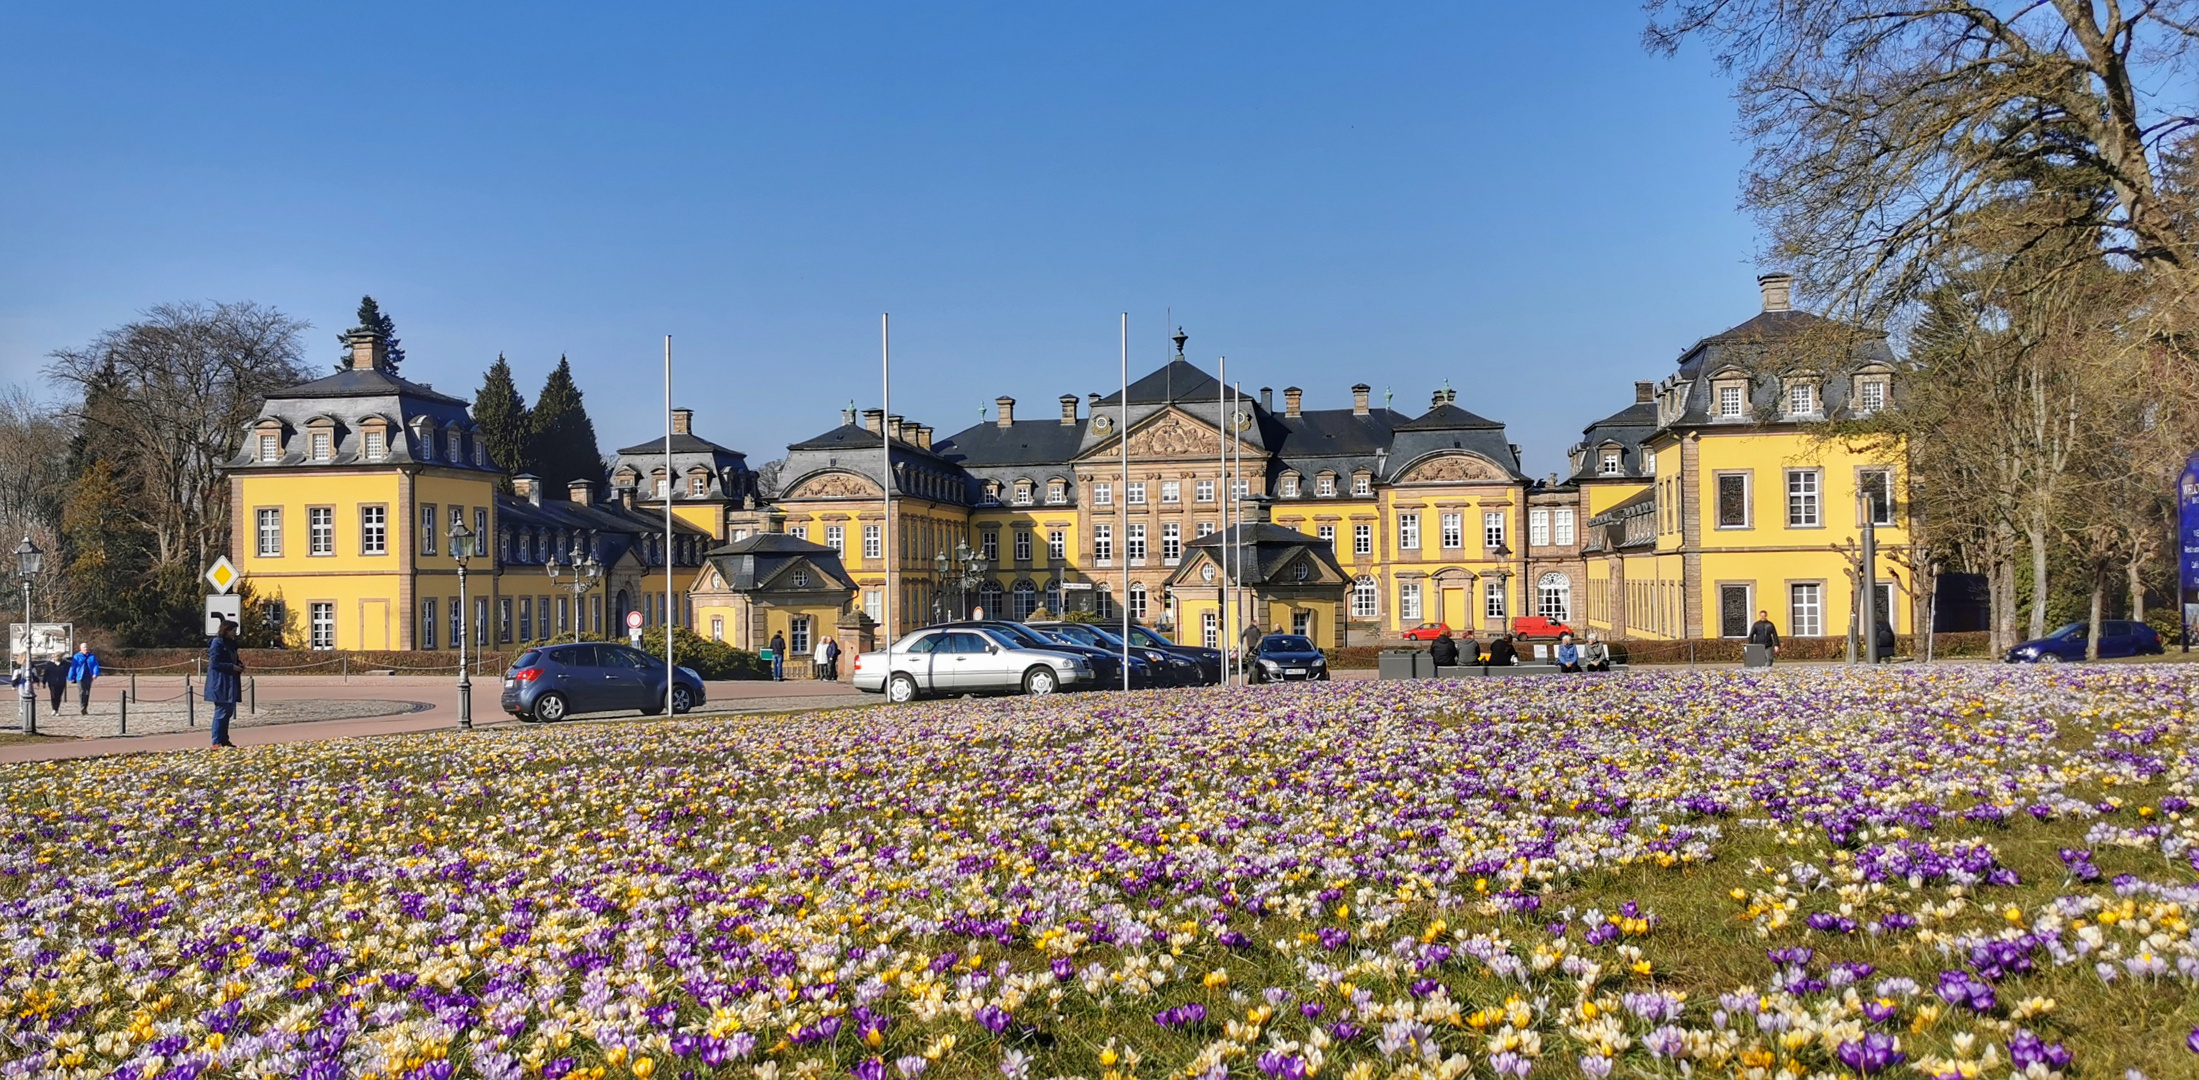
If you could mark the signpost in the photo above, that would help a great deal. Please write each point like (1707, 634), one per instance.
(225, 603)
(633, 628)
(2187, 546)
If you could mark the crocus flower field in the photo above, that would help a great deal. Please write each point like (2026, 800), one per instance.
(1951, 872)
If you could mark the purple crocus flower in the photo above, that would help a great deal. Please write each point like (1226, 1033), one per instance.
(994, 1018)
(1874, 1052)
(871, 1068)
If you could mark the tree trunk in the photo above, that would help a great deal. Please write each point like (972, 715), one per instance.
(2092, 623)
(2137, 590)
(2037, 534)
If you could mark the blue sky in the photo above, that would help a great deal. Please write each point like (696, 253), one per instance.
(1514, 198)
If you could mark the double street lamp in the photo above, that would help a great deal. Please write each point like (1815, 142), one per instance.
(965, 569)
(464, 545)
(29, 560)
(579, 575)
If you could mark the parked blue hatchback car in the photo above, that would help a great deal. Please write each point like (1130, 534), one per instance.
(557, 681)
(2118, 637)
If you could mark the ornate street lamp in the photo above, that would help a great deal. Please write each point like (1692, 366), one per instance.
(29, 560)
(965, 569)
(579, 575)
(462, 548)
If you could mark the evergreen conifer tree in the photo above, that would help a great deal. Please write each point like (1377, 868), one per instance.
(504, 420)
(562, 444)
(372, 317)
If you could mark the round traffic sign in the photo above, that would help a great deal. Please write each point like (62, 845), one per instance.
(633, 620)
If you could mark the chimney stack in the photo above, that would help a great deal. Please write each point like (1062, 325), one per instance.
(1644, 391)
(581, 492)
(1292, 396)
(1095, 400)
(368, 351)
(1437, 401)
(528, 486)
(1068, 410)
(683, 421)
(1007, 407)
(626, 497)
(1778, 290)
(924, 436)
(1359, 392)
(1258, 510)
(873, 418)
(1267, 399)
(893, 428)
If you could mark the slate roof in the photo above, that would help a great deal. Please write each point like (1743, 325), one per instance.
(349, 398)
(1177, 380)
(610, 529)
(1763, 346)
(1263, 549)
(757, 562)
(1629, 427)
(682, 443)
(1025, 442)
(365, 382)
(1448, 417)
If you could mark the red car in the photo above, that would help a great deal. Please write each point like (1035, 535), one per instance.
(1427, 631)
(1535, 626)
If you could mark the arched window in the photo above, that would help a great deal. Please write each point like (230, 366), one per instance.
(1137, 600)
(1026, 600)
(1053, 598)
(1554, 597)
(989, 595)
(1363, 594)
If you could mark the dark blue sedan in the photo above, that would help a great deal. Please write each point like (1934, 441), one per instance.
(2118, 637)
(557, 681)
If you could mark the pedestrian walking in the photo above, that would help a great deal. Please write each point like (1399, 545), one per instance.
(1765, 634)
(1248, 643)
(55, 676)
(778, 657)
(817, 658)
(83, 668)
(832, 660)
(224, 680)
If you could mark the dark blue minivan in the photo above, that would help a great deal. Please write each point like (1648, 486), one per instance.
(556, 681)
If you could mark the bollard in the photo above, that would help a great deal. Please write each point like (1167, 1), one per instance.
(190, 705)
(125, 715)
(252, 693)
(133, 684)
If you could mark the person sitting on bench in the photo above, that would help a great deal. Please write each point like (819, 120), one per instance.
(1569, 654)
(1502, 653)
(1596, 656)
(1445, 651)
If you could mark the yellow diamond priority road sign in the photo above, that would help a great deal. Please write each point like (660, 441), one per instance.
(223, 575)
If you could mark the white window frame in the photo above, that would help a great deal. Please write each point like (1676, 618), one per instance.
(1025, 493)
(1171, 491)
(1365, 599)
(1103, 493)
(1408, 531)
(1718, 497)
(374, 444)
(1864, 482)
(1324, 486)
(1057, 544)
(1612, 463)
(427, 622)
(1492, 529)
(1802, 399)
(1203, 491)
(1454, 531)
(1730, 400)
(1103, 543)
(1134, 493)
(1023, 545)
(321, 625)
(1806, 609)
(1554, 597)
(1362, 485)
(1408, 602)
(1362, 539)
(1290, 486)
(1866, 388)
(271, 447)
(428, 520)
(1538, 527)
(836, 538)
(1138, 597)
(988, 545)
(1805, 498)
(268, 522)
(1171, 543)
(1210, 630)
(324, 445)
(320, 530)
(874, 541)
(1561, 526)
(1492, 599)
(374, 530)
(1133, 545)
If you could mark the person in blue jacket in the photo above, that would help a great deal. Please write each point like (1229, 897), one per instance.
(224, 680)
(83, 668)
(1569, 654)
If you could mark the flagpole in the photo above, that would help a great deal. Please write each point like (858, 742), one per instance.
(1236, 403)
(1125, 504)
(671, 672)
(1221, 505)
(885, 443)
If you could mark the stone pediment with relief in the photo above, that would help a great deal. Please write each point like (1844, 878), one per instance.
(1453, 468)
(1172, 436)
(835, 485)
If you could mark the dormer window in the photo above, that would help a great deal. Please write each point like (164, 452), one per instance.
(1023, 493)
(1325, 485)
(324, 443)
(1870, 394)
(1057, 492)
(991, 495)
(271, 447)
(1610, 465)
(1290, 485)
(1649, 461)
(1732, 400)
(1801, 399)
(377, 444)
(698, 485)
(480, 455)
(457, 447)
(1362, 484)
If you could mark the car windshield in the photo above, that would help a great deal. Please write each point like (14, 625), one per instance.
(1142, 636)
(1286, 643)
(2073, 630)
(1102, 637)
(1016, 635)
(1072, 632)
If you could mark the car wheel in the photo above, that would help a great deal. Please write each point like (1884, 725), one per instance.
(683, 699)
(550, 707)
(2050, 658)
(1039, 681)
(901, 688)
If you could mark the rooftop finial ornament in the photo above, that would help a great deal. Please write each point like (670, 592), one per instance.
(1180, 338)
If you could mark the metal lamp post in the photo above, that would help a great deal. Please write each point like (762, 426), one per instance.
(462, 549)
(579, 575)
(29, 560)
(966, 569)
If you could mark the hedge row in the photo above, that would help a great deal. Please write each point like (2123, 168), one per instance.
(710, 659)
(1711, 650)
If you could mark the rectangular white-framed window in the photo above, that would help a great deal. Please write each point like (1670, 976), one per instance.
(1408, 532)
(1210, 630)
(988, 545)
(457, 518)
(1492, 598)
(1806, 609)
(1103, 543)
(1203, 490)
(457, 446)
(1612, 464)
(324, 445)
(480, 620)
(1171, 543)
(1301, 620)
(1240, 489)
(1023, 545)
(797, 635)
(427, 623)
(1362, 539)
(320, 530)
(270, 528)
(1134, 544)
(1492, 529)
(1561, 526)
(374, 530)
(836, 538)
(799, 532)
(717, 628)
(1290, 486)
(1205, 528)
(1801, 399)
(481, 530)
(1324, 485)
(1804, 498)
(1135, 493)
(526, 618)
(1362, 485)
(874, 542)
(1325, 532)
(457, 623)
(1870, 396)
(1024, 493)
(1408, 601)
(1733, 500)
(427, 529)
(1363, 602)
(1454, 530)
(1057, 544)
(321, 625)
(376, 442)
(1171, 491)
(1877, 487)
(874, 604)
(1730, 400)
(1538, 527)
(1103, 493)
(271, 448)
(504, 618)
